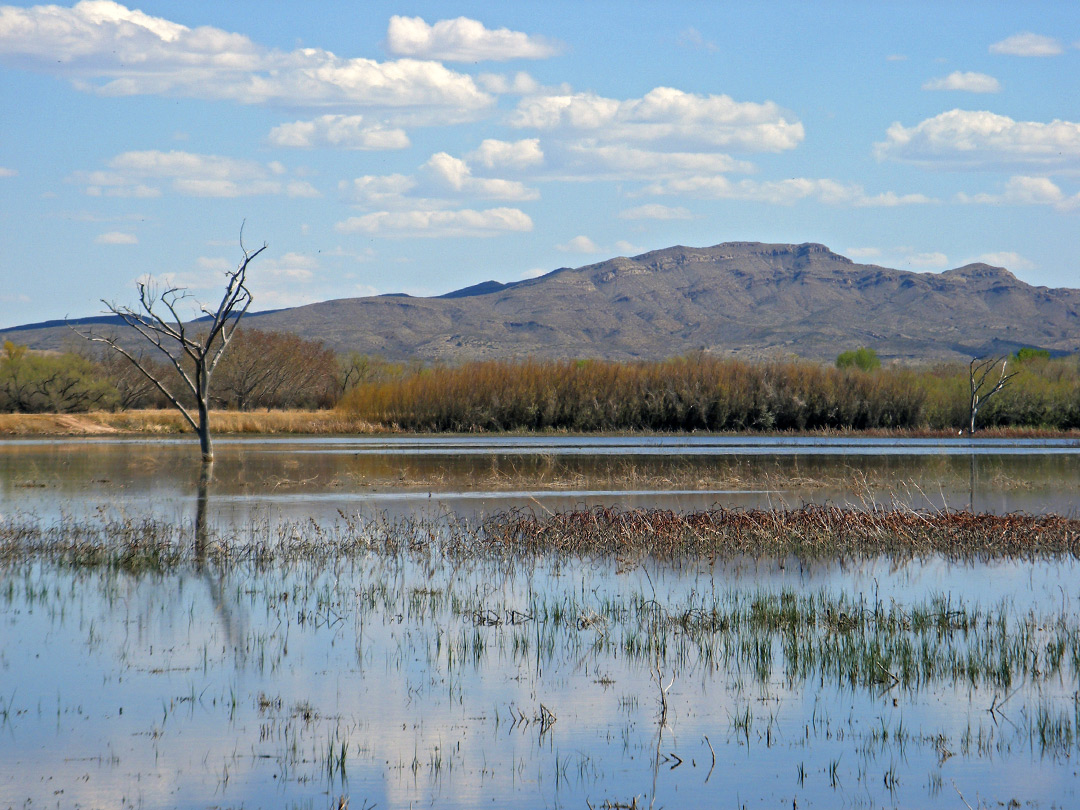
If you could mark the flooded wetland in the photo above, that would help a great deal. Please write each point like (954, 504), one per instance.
(619, 622)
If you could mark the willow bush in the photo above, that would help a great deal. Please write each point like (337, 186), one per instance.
(689, 393)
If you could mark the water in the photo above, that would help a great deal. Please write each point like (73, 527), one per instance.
(477, 683)
(317, 477)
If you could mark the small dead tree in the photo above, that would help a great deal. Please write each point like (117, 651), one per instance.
(194, 356)
(982, 385)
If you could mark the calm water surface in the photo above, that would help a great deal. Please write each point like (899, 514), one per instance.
(409, 681)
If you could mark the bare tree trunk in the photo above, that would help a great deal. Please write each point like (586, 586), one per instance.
(978, 374)
(202, 502)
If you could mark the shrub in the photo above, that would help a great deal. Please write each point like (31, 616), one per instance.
(861, 358)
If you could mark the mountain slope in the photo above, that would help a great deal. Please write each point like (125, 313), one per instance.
(741, 297)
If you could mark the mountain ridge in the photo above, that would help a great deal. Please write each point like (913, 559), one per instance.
(743, 298)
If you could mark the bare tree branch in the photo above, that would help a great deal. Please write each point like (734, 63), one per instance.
(171, 336)
(979, 372)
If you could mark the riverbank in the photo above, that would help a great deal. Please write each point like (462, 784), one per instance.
(337, 422)
(154, 422)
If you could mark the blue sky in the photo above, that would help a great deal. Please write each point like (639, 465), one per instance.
(385, 147)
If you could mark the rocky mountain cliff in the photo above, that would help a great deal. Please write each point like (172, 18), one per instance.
(743, 298)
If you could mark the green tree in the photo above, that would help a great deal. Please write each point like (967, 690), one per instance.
(37, 382)
(862, 358)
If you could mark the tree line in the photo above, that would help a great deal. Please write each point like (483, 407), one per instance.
(704, 392)
(280, 370)
(260, 370)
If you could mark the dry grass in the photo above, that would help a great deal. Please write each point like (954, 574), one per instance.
(340, 421)
(809, 532)
(624, 536)
(104, 423)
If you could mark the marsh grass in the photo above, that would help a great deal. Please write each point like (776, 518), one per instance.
(625, 536)
(444, 605)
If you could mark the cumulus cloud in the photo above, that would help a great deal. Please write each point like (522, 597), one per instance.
(116, 238)
(135, 174)
(970, 139)
(439, 183)
(340, 132)
(463, 40)
(1006, 258)
(664, 114)
(464, 222)
(521, 154)
(520, 84)
(656, 211)
(378, 191)
(454, 174)
(785, 192)
(592, 161)
(106, 48)
(1027, 44)
(966, 81)
(579, 244)
(1023, 190)
(5, 172)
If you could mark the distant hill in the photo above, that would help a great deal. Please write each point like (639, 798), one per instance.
(743, 298)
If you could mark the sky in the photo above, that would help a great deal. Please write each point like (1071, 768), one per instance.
(421, 147)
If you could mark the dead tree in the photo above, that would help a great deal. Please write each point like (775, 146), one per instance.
(982, 386)
(194, 356)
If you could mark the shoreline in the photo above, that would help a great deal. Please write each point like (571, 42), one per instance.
(333, 422)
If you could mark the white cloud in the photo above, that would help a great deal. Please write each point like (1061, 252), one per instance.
(863, 253)
(627, 248)
(465, 222)
(785, 192)
(970, 139)
(117, 238)
(463, 40)
(535, 272)
(440, 182)
(1007, 259)
(655, 211)
(522, 84)
(896, 57)
(1027, 44)
(107, 48)
(5, 172)
(579, 244)
(301, 188)
(215, 263)
(340, 132)
(292, 266)
(521, 154)
(619, 162)
(926, 260)
(454, 174)
(375, 191)
(1023, 190)
(664, 114)
(191, 174)
(966, 81)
